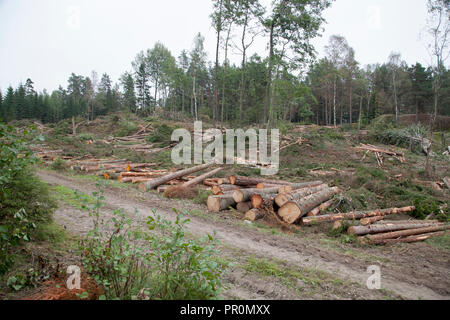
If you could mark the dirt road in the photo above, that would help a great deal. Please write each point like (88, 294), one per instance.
(324, 268)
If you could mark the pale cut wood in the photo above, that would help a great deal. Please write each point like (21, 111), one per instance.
(380, 228)
(284, 198)
(356, 215)
(404, 233)
(447, 182)
(157, 182)
(219, 203)
(201, 178)
(292, 211)
(254, 215)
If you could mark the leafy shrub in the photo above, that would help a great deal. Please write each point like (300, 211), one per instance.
(186, 269)
(160, 263)
(24, 199)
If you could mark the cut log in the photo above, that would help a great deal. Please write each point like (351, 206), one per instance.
(285, 189)
(292, 211)
(369, 221)
(201, 178)
(405, 233)
(356, 215)
(244, 206)
(247, 181)
(411, 239)
(221, 189)
(219, 203)
(254, 215)
(323, 207)
(380, 228)
(243, 195)
(157, 182)
(284, 198)
(162, 189)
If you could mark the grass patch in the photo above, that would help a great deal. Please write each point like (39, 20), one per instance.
(442, 242)
(287, 275)
(71, 197)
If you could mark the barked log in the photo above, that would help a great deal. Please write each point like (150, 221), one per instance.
(254, 215)
(369, 221)
(157, 182)
(243, 195)
(244, 206)
(247, 181)
(219, 203)
(297, 186)
(356, 215)
(380, 228)
(221, 189)
(412, 239)
(321, 208)
(404, 233)
(258, 200)
(292, 211)
(284, 198)
(201, 178)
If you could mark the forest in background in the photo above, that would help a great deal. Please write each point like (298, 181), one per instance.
(290, 84)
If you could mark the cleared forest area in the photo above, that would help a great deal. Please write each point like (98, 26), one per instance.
(341, 190)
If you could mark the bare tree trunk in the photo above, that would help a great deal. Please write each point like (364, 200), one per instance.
(225, 64)
(334, 101)
(269, 76)
(360, 114)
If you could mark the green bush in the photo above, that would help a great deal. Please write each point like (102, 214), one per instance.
(24, 199)
(160, 263)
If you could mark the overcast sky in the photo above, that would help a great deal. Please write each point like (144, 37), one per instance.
(47, 40)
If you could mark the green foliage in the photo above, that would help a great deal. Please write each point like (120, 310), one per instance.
(187, 269)
(59, 164)
(126, 128)
(162, 135)
(24, 200)
(160, 263)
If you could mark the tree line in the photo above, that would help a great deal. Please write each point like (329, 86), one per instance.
(288, 84)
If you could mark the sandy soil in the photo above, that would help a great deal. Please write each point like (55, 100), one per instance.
(413, 271)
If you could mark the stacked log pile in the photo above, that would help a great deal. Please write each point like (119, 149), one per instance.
(259, 197)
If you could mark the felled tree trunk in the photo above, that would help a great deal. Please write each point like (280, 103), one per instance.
(292, 211)
(369, 221)
(221, 189)
(243, 195)
(411, 239)
(356, 215)
(219, 203)
(247, 181)
(284, 198)
(157, 182)
(380, 228)
(244, 206)
(200, 179)
(405, 233)
(254, 215)
(321, 208)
